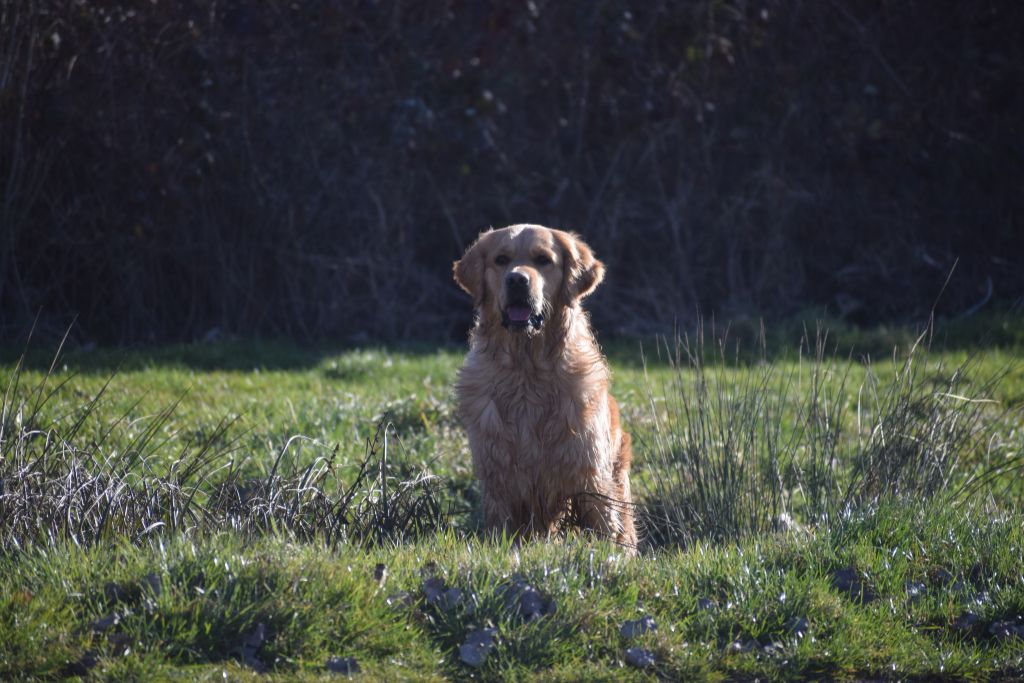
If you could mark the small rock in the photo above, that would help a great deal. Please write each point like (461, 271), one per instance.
(637, 627)
(250, 646)
(526, 600)
(640, 658)
(543, 608)
(256, 637)
(453, 596)
(252, 661)
(966, 621)
(449, 599)
(147, 587)
(743, 645)
(342, 665)
(115, 592)
(155, 583)
(439, 594)
(82, 665)
(849, 581)
(1004, 630)
(120, 644)
(961, 589)
(433, 588)
(915, 590)
(843, 579)
(531, 604)
(478, 645)
(105, 623)
(400, 599)
(797, 626)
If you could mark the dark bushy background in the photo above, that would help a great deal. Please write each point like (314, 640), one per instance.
(173, 170)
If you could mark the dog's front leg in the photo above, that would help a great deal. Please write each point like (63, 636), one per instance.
(609, 517)
(499, 517)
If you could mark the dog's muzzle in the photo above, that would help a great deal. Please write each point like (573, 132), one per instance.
(519, 314)
(521, 317)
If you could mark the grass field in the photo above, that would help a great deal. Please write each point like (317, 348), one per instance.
(871, 531)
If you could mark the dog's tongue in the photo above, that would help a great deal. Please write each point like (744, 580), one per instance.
(518, 314)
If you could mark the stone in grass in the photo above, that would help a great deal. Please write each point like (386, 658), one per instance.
(962, 590)
(116, 592)
(450, 598)
(797, 626)
(942, 577)
(129, 593)
(848, 581)
(640, 658)
(705, 605)
(526, 600)
(105, 623)
(966, 621)
(120, 644)
(82, 665)
(249, 648)
(400, 599)
(748, 645)
(152, 587)
(154, 583)
(532, 604)
(1005, 630)
(478, 645)
(638, 627)
(915, 590)
(342, 665)
(440, 595)
(982, 598)
(433, 588)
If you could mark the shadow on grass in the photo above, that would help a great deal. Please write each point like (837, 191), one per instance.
(235, 355)
(743, 341)
(749, 340)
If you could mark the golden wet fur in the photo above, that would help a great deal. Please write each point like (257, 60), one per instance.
(533, 396)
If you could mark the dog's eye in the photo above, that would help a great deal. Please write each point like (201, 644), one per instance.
(542, 260)
(501, 260)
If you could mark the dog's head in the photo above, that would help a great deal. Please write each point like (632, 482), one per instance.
(522, 275)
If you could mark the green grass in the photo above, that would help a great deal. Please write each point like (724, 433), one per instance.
(188, 605)
(335, 396)
(277, 391)
(766, 608)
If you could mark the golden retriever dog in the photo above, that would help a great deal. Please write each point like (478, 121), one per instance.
(533, 392)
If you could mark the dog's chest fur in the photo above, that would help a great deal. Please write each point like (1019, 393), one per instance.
(526, 416)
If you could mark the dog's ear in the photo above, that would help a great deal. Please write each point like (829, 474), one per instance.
(582, 273)
(469, 271)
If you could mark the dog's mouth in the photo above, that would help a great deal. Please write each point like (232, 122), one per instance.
(521, 317)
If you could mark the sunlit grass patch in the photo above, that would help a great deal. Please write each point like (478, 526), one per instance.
(733, 448)
(769, 607)
(189, 516)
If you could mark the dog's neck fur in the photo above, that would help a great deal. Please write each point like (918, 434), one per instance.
(565, 342)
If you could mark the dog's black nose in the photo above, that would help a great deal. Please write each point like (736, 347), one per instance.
(517, 282)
